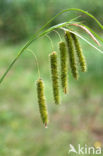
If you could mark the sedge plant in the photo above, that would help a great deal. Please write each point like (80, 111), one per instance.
(70, 52)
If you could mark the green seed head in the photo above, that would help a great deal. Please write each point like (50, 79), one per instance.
(80, 55)
(54, 74)
(63, 62)
(41, 101)
(71, 52)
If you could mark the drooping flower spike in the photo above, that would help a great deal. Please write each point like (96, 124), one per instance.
(54, 76)
(71, 52)
(79, 52)
(42, 102)
(63, 62)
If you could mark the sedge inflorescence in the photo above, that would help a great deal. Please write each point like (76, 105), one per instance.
(79, 52)
(42, 101)
(55, 76)
(69, 52)
(64, 67)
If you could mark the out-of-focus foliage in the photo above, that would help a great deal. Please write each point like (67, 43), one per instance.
(20, 18)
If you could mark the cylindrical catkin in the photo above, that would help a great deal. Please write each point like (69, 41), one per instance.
(54, 74)
(80, 55)
(63, 62)
(42, 102)
(71, 52)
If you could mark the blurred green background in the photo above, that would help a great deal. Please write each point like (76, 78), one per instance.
(79, 118)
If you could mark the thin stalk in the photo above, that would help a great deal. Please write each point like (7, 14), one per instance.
(37, 64)
(50, 41)
(58, 34)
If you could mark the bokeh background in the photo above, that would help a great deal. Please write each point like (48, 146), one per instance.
(79, 118)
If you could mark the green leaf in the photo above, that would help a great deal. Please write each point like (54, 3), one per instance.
(94, 33)
(92, 45)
